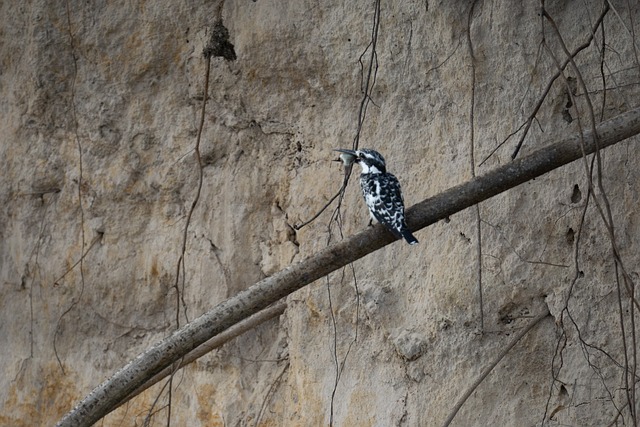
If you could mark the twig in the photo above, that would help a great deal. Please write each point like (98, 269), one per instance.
(80, 181)
(604, 210)
(183, 249)
(493, 364)
(367, 89)
(527, 124)
(271, 390)
(218, 45)
(473, 164)
(372, 71)
(313, 218)
(569, 59)
(70, 269)
(366, 85)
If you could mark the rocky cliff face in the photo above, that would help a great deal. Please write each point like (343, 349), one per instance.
(101, 112)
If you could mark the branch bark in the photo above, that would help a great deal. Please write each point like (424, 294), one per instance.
(215, 342)
(110, 393)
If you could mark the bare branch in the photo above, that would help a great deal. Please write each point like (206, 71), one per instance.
(493, 364)
(164, 353)
(76, 134)
(473, 163)
(215, 342)
(527, 124)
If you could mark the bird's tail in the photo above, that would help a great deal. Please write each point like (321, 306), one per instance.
(408, 236)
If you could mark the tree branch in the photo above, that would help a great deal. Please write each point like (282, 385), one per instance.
(107, 396)
(493, 364)
(215, 342)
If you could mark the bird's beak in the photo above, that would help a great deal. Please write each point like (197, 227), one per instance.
(342, 150)
(348, 157)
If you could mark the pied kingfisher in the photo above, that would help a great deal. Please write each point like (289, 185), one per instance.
(381, 191)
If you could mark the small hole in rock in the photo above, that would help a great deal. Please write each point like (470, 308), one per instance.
(576, 196)
(571, 236)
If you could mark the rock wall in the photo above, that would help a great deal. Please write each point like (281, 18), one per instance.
(101, 110)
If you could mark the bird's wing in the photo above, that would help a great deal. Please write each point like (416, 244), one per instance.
(384, 200)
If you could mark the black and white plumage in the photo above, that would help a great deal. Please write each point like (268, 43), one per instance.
(381, 191)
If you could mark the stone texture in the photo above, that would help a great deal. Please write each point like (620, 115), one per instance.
(101, 106)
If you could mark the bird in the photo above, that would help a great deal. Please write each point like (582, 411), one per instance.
(381, 191)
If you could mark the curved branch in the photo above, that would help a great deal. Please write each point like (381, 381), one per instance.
(215, 342)
(106, 396)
